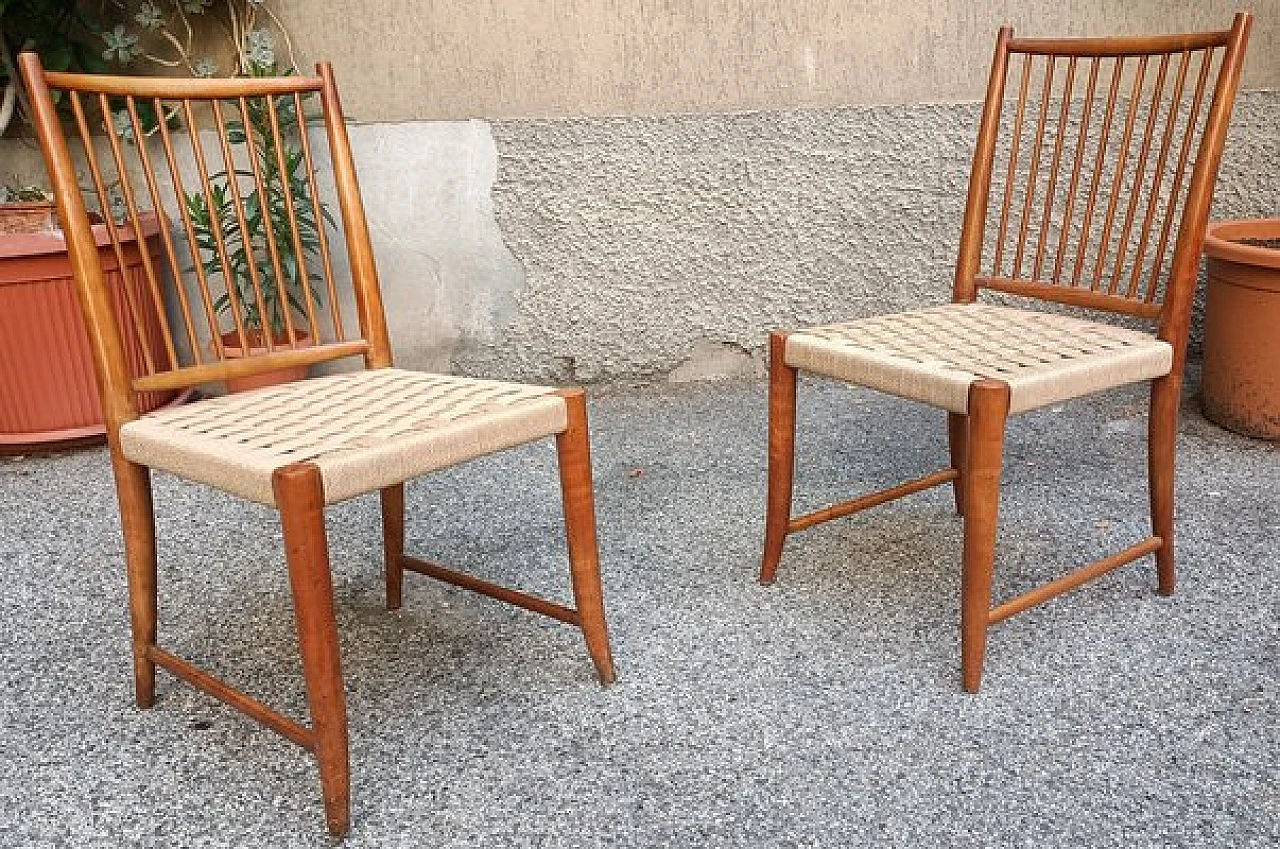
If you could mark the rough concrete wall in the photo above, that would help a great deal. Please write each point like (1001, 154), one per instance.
(448, 278)
(449, 59)
(666, 247)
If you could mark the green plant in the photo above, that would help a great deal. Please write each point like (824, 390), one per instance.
(94, 37)
(15, 193)
(247, 248)
(65, 34)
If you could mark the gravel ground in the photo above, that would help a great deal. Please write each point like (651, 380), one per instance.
(823, 711)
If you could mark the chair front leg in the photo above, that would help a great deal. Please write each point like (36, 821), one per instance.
(137, 520)
(1162, 437)
(573, 450)
(988, 411)
(958, 442)
(782, 446)
(299, 493)
(393, 543)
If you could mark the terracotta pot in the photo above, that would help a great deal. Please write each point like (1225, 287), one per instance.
(36, 217)
(231, 345)
(48, 392)
(1240, 385)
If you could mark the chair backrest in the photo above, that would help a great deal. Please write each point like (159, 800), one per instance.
(240, 271)
(1094, 171)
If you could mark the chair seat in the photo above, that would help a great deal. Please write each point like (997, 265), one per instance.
(933, 355)
(364, 430)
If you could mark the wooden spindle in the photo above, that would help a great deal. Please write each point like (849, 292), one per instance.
(318, 210)
(1063, 119)
(1011, 177)
(286, 179)
(1148, 219)
(113, 232)
(1033, 171)
(1117, 180)
(215, 222)
(1135, 194)
(166, 237)
(144, 250)
(268, 229)
(242, 218)
(1104, 138)
(1081, 143)
(193, 243)
(1193, 118)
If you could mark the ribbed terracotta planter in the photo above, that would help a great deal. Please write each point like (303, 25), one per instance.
(1240, 385)
(35, 217)
(48, 392)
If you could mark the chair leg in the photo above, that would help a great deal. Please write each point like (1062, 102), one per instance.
(137, 519)
(393, 542)
(1162, 436)
(299, 495)
(573, 449)
(958, 441)
(988, 410)
(782, 444)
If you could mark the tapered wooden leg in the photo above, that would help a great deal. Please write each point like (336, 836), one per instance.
(299, 494)
(958, 441)
(137, 520)
(1162, 436)
(988, 410)
(573, 448)
(782, 449)
(393, 542)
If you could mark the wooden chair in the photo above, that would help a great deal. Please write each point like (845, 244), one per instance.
(230, 172)
(1109, 143)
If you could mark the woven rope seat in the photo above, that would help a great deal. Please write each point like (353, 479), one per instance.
(932, 355)
(365, 430)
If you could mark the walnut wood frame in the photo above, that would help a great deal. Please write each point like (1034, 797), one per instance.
(976, 439)
(298, 488)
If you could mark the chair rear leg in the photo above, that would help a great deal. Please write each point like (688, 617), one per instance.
(137, 520)
(1162, 436)
(573, 449)
(988, 411)
(782, 446)
(958, 442)
(393, 542)
(299, 495)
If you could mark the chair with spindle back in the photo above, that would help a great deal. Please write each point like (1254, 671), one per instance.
(247, 268)
(1109, 152)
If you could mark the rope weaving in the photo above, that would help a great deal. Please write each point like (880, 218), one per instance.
(365, 430)
(932, 355)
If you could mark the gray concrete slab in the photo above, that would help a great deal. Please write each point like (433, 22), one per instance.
(824, 711)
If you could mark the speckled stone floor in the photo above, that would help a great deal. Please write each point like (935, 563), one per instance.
(823, 711)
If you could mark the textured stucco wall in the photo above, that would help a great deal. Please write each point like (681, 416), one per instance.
(448, 59)
(666, 247)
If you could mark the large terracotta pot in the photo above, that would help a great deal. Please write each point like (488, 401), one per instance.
(1240, 385)
(276, 377)
(48, 392)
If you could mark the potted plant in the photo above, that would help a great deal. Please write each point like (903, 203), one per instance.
(1240, 382)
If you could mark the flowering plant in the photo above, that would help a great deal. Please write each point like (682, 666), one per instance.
(202, 38)
(167, 34)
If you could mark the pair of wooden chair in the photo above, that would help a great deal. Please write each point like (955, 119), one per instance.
(1103, 169)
